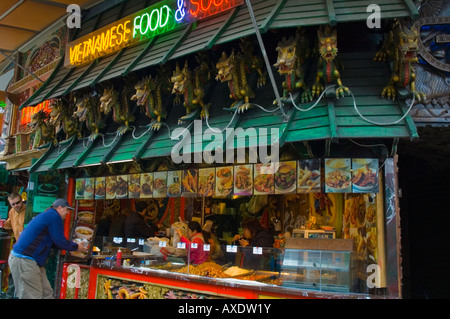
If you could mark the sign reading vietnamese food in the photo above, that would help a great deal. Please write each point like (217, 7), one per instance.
(162, 17)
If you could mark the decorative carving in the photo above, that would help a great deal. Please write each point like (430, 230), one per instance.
(62, 113)
(233, 69)
(292, 54)
(41, 121)
(148, 98)
(88, 111)
(328, 67)
(400, 48)
(191, 85)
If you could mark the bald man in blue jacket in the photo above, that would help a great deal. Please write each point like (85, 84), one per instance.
(29, 254)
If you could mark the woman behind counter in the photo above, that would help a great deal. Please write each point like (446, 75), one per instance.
(254, 236)
(199, 237)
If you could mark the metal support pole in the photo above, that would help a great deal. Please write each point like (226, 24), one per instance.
(266, 59)
(20, 66)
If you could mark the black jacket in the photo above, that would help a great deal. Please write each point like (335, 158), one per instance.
(262, 239)
(136, 227)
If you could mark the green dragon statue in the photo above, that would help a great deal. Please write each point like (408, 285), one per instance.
(119, 104)
(233, 69)
(41, 121)
(190, 85)
(62, 113)
(328, 66)
(400, 48)
(292, 53)
(88, 111)
(148, 98)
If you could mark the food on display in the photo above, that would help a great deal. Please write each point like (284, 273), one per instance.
(224, 181)
(235, 271)
(86, 216)
(338, 179)
(243, 180)
(174, 189)
(190, 181)
(285, 178)
(206, 182)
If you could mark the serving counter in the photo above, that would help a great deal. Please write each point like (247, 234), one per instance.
(277, 273)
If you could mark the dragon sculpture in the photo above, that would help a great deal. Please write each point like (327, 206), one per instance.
(118, 102)
(400, 48)
(190, 85)
(148, 98)
(62, 114)
(233, 69)
(41, 121)
(88, 111)
(328, 66)
(292, 53)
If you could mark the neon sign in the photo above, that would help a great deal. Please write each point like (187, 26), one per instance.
(143, 25)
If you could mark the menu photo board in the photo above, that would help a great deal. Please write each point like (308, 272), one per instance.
(160, 184)
(100, 188)
(190, 182)
(308, 176)
(174, 183)
(134, 186)
(79, 188)
(111, 185)
(243, 179)
(146, 185)
(285, 177)
(224, 180)
(83, 233)
(263, 182)
(338, 176)
(206, 181)
(365, 175)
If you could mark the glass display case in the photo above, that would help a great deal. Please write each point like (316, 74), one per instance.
(325, 265)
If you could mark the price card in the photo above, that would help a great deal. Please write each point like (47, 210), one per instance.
(117, 240)
(257, 250)
(141, 241)
(206, 247)
(181, 245)
(162, 243)
(194, 245)
(131, 240)
(231, 249)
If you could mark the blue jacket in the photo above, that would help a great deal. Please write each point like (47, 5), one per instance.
(43, 231)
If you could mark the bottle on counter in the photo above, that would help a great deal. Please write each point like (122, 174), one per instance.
(119, 258)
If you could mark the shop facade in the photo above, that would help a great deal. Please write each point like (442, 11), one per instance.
(210, 119)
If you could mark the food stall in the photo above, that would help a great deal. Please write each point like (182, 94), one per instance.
(315, 265)
(155, 116)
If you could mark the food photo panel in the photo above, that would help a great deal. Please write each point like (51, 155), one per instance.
(206, 181)
(338, 175)
(100, 188)
(365, 175)
(174, 183)
(122, 187)
(224, 180)
(111, 185)
(159, 184)
(308, 176)
(285, 176)
(134, 186)
(263, 182)
(146, 185)
(79, 188)
(189, 183)
(83, 233)
(243, 179)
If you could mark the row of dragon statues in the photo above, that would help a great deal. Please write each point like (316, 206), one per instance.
(187, 85)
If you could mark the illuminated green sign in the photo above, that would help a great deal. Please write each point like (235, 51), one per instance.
(141, 26)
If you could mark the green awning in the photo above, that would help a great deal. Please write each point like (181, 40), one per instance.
(222, 28)
(329, 119)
